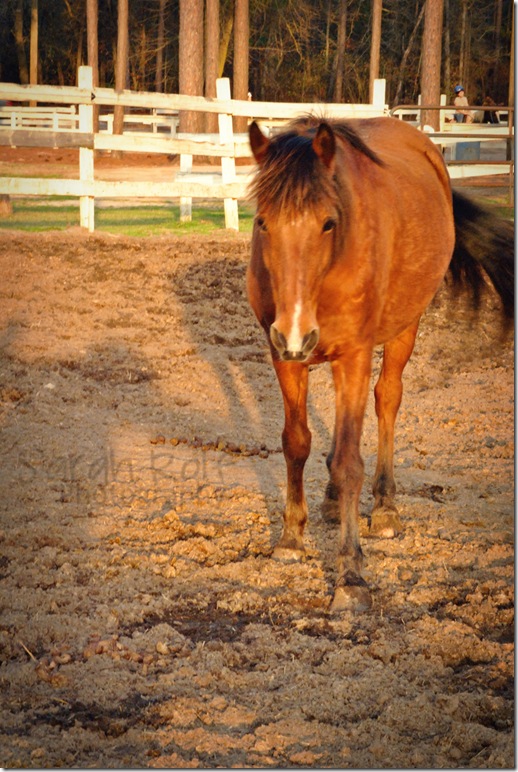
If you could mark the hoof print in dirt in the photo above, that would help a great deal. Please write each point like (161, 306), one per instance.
(289, 554)
(385, 524)
(354, 598)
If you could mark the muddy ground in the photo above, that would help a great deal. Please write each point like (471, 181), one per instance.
(143, 623)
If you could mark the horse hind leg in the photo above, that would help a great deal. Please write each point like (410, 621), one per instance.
(385, 521)
(330, 507)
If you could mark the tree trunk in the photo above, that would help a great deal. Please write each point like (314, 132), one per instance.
(20, 44)
(328, 33)
(374, 69)
(511, 67)
(159, 65)
(431, 69)
(228, 26)
(92, 45)
(121, 64)
(406, 54)
(211, 58)
(447, 52)
(511, 116)
(498, 30)
(241, 43)
(33, 58)
(79, 50)
(190, 69)
(463, 43)
(340, 52)
(138, 79)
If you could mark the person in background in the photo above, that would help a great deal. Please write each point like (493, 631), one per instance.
(490, 116)
(462, 115)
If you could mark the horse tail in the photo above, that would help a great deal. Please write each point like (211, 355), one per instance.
(484, 249)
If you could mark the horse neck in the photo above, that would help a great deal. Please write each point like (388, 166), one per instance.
(358, 183)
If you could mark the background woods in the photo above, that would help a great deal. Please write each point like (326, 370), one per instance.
(279, 50)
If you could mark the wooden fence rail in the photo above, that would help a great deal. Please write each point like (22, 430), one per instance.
(47, 125)
(228, 185)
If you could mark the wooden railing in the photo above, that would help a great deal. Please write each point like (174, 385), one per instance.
(228, 184)
(22, 117)
(63, 118)
(456, 139)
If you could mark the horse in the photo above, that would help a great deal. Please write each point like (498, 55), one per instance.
(356, 227)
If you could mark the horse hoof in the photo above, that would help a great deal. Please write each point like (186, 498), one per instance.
(355, 598)
(288, 554)
(385, 524)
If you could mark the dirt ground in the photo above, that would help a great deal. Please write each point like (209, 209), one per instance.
(142, 622)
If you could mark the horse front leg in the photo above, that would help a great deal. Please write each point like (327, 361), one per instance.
(296, 443)
(388, 391)
(351, 379)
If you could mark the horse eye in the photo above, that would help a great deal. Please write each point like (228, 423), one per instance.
(328, 225)
(261, 224)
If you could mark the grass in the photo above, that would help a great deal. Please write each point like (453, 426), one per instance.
(139, 221)
(153, 220)
(501, 206)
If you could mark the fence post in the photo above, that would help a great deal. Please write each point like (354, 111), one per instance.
(185, 201)
(378, 93)
(228, 165)
(442, 117)
(86, 154)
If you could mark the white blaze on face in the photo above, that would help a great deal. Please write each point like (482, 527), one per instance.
(294, 337)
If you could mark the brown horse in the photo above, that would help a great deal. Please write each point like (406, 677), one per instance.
(356, 228)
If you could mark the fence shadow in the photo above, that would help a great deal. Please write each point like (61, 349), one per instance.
(233, 370)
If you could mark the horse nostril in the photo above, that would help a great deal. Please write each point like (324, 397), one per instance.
(309, 341)
(278, 339)
(299, 354)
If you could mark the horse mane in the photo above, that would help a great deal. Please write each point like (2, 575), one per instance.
(340, 126)
(292, 177)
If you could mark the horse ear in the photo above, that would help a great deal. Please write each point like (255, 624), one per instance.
(324, 144)
(258, 142)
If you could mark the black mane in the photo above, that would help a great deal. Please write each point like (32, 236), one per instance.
(292, 177)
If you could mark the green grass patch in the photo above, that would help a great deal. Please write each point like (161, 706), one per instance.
(145, 220)
(139, 221)
(500, 204)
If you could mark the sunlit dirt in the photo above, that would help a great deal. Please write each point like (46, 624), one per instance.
(143, 623)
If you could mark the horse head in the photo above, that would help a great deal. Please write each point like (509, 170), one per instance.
(294, 231)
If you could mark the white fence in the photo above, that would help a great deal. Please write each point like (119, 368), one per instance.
(47, 130)
(461, 142)
(63, 118)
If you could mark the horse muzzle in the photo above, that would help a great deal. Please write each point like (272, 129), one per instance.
(297, 351)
